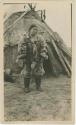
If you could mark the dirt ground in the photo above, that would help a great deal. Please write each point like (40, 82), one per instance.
(53, 104)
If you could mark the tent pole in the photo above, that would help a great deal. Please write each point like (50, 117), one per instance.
(66, 62)
(60, 58)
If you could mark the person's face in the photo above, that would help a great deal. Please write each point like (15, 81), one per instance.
(33, 31)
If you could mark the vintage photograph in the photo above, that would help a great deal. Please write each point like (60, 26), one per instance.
(37, 61)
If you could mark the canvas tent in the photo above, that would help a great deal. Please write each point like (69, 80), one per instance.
(59, 60)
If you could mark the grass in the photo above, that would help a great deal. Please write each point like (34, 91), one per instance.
(53, 104)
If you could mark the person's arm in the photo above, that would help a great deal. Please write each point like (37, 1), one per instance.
(22, 48)
(43, 53)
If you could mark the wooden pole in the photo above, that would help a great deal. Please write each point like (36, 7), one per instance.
(60, 58)
(15, 22)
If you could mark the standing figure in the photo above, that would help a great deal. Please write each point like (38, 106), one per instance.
(33, 53)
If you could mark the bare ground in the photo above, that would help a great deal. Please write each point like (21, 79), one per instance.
(54, 103)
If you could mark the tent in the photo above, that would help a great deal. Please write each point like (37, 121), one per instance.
(59, 61)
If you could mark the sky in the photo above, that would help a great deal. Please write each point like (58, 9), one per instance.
(58, 16)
